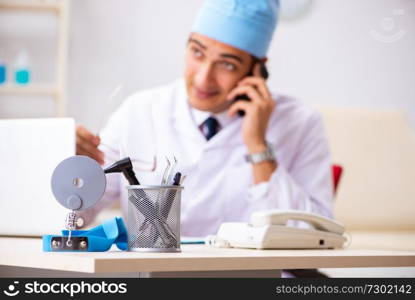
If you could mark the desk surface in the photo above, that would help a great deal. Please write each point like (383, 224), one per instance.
(27, 252)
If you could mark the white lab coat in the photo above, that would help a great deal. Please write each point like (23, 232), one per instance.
(219, 185)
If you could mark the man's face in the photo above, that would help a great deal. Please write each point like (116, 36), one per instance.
(212, 70)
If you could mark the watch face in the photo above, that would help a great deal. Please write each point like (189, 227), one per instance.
(267, 155)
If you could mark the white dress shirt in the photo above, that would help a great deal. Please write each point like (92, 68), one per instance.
(219, 186)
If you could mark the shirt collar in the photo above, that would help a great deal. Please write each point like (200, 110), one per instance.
(200, 116)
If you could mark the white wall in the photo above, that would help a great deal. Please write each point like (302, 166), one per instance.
(328, 58)
(331, 57)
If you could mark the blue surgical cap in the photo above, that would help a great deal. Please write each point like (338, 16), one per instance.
(244, 24)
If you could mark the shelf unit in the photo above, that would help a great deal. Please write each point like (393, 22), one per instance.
(57, 89)
(31, 89)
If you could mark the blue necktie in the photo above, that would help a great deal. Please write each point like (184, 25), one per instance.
(212, 126)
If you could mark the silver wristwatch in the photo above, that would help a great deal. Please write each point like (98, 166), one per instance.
(267, 155)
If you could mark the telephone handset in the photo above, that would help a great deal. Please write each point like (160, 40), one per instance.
(264, 74)
(278, 217)
(269, 230)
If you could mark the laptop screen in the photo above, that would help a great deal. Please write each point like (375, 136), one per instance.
(29, 152)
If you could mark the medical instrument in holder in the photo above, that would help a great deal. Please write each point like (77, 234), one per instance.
(78, 183)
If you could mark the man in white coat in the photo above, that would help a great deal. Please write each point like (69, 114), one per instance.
(276, 156)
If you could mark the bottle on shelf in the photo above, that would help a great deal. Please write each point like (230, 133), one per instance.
(22, 70)
(3, 72)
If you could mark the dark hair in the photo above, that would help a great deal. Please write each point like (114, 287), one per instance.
(263, 68)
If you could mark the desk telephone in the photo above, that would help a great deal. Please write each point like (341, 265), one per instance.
(268, 230)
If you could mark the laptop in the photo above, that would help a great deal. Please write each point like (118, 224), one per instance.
(30, 149)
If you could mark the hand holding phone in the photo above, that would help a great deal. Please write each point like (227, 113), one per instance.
(264, 74)
(252, 98)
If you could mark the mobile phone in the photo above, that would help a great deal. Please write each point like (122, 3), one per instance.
(264, 74)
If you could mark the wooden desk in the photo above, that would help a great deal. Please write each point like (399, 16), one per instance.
(27, 253)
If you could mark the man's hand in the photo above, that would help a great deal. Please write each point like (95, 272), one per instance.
(257, 111)
(87, 144)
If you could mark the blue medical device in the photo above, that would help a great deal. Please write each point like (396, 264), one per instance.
(78, 183)
(99, 238)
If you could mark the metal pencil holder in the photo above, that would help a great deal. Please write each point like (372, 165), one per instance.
(153, 221)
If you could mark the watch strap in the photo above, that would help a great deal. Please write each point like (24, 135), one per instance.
(258, 157)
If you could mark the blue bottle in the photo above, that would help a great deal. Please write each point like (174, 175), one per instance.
(3, 72)
(22, 71)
